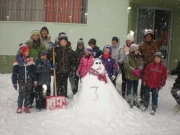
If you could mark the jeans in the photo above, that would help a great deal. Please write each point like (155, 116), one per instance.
(124, 81)
(132, 84)
(154, 96)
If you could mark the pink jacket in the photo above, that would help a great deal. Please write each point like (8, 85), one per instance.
(84, 65)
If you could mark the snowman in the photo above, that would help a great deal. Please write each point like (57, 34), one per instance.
(97, 94)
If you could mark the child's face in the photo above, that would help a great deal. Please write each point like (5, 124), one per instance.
(128, 42)
(26, 53)
(43, 57)
(106, 51)
(44, 33)
(63, 42)
(114, 42)
(86, 54)
(157, 59)
(80, 47)
(35, 37)
(148, 37)
(136, 52)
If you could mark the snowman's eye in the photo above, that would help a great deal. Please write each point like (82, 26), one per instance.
(98, 62)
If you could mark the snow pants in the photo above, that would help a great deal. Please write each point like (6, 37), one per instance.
(154, 97)
(61, 81)
(74, 81)
(174, 93)
(40, 100)
(24, 93)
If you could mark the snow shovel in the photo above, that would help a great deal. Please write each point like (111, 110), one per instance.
(55, 102)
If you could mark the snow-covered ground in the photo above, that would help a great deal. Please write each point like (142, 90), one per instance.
(68, 122)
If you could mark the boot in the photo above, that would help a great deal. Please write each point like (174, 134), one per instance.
(26, 110)
(19, 109)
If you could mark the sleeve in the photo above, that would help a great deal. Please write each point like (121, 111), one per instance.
(176, 70)
(163, 39)
(38, 66)
(80, 65)
(164, 77)
(72, 60)
(146, 73)
(34, 72)
(43, 47)
(114, 70)
(141, 66)
(121, 55)
(99, 52)
(15, 72)
(128, 68)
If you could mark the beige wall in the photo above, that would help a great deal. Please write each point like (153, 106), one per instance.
(106, 18)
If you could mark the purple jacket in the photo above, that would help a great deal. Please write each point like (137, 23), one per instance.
(108, 64)
(85, 65)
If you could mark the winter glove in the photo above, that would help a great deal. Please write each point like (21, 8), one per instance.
(77, 74)
(116, 65)
(51, 45)
(136, 72)
(35, 84)
(168, 72)
(20, 60)
(54, 66)
(113, 77)
(163, 27)
(15, 86)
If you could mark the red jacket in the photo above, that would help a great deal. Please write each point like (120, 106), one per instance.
(155, 75)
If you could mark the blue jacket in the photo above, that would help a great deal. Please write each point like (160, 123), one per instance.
(108, 64)
(96, 52)
(43, 70)
(23, 71)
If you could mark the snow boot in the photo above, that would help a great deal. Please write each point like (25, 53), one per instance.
(26, 110)
(144, 108)
(30, 105)
(19, 109)
(152, 111)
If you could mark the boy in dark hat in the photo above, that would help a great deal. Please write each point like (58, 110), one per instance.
(96, 51)
(154, 78)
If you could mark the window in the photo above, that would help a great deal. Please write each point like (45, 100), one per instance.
(66, 11)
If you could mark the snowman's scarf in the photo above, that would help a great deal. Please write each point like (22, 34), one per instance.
(101, 77)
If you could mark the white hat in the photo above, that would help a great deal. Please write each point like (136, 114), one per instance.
(130, 37)
(148, 31)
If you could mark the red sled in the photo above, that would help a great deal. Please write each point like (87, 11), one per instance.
(55, 102)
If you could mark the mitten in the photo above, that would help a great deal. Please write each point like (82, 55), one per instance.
(163, 27)
(116, 65)
(77, 74)
(113, 77)
(15, 86)
(54, 66)
(136, 72)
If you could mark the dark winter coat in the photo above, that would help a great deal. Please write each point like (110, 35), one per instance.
(96, 52)
(108, 64)
(78, 55)
(43, 70)
(64, 59)
(155, 75)
(23, 71)
(132, 62)
(176, 71)
(148, 50)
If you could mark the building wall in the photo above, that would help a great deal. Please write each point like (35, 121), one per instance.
(106, 18)
(175, 41)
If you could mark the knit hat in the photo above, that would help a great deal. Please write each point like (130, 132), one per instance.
(159, 54)
(44, 28)
(80, 42)
(148, 31)
(23, 48)
(115, 38)
(43, 52)
(35, 32)
(62, 35)
(88, 49)
(130, 37)
(107, 47)
(133, 48)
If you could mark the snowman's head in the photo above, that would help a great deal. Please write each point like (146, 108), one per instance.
(98, 65)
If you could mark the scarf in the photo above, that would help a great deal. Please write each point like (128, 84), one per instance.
(36, 44)
(101, 77)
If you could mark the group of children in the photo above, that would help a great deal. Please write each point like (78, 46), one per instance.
(32, 74)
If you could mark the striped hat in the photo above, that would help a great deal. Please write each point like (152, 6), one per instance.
(35, 32)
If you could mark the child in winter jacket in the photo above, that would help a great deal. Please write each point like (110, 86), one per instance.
(85, 62)
(65, 62)
(176, 86)
(43, 70)
(95, 49)
(24, 73)
(133, 69)
(108, 62)
(154, 78)
(73, 78)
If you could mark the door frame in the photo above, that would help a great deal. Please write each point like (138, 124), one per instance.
(170, 27)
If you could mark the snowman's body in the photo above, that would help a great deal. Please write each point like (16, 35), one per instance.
(97, 94)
